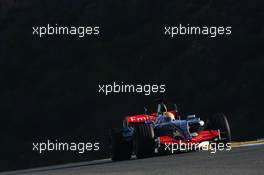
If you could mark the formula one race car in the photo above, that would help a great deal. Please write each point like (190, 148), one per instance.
(145, 135)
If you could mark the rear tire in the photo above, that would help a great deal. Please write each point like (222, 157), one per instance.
(143, 142)
(219, 121)
(121, 149)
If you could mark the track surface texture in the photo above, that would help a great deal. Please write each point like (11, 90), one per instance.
(242, 160)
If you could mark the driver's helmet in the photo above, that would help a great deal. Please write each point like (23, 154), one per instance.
(170, 115)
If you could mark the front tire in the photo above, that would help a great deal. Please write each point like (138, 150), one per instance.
(219, 121)
(121, 149)
(144, 143)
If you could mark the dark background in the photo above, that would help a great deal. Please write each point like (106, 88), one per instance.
(48, 86)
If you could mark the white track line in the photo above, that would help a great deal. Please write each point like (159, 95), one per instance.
(250, 144)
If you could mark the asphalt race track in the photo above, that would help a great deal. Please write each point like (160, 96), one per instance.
(241, 160)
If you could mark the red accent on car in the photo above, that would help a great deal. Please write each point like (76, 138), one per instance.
(141, 118)
(144, 117)
(202, 136)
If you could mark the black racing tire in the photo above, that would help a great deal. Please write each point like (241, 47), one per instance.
(120, 148)
(219, 121)
(143, 142)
